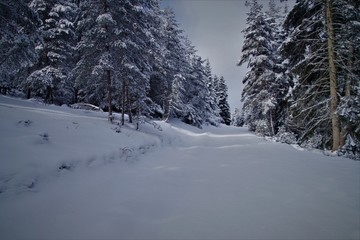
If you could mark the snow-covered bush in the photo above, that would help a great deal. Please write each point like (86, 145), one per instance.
(238, 118)
(351, 149)
(285, 136)
(316, 141)
(262, 128)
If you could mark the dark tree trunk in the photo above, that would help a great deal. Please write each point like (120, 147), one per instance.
(123, 98)
(108, 76)
(332, 77)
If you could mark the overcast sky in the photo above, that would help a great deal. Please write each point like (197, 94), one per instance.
(214, 27)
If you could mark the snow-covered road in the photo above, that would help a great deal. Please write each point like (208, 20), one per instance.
(215, 183)
(230, 184)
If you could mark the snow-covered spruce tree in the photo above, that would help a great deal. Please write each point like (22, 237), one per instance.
(283, 76)
(315, 48)
(184, 78)
(198, 109)
(212, 98)
(259, 94)
(49, 78)
(142, 56)
(222, 100)
(305, 48)
(168, 77)
(114, 48)
(237, 119)
(18, 37)
(347, 34)
(98, 46)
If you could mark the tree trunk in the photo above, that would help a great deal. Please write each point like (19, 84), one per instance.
(108, 76)
(271, 123)
(28, 93)
(123, 104)
(332, 77)
(76, 92)
(49, 95)
(128, 103)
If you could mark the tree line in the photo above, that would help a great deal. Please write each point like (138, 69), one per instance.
(129, 56)
(303, 83)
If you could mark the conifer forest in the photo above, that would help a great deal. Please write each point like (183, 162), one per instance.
(303, 83)
(133, 58)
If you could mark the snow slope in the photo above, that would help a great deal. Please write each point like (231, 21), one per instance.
(68, 174)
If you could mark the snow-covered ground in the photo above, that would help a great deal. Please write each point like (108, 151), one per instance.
(69, 174)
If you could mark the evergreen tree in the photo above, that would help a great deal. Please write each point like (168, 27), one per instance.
(198, 109)
(115, 46)
(259, 95)
(238, 118)
(49, 78)
(222, 101)
(316, 48)
(167, 88)
(306, 52)
(283, 83)
(347, 33)
(18, 37)
(212, 98)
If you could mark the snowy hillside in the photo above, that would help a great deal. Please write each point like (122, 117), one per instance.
(69, 174)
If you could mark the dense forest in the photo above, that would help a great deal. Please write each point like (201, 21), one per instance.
(303, 79)
(131, 56)
(128, 56)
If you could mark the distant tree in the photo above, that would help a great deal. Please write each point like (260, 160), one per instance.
(238, 118)
(198, 110)
(222, 101)
(212, 98)
(185, 79)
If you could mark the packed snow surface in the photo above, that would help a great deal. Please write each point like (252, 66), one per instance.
(70, 174)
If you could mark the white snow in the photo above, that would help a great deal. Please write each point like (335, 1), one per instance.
(69, 174)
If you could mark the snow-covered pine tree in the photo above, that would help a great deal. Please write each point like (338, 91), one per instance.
(315, 47)
(18, 37)
(116, 47)
(237, 119)
(283, 76)
(98, 47)
(309, 112)
(222, 100)
(141, 53)
(347, 33)
(212, 99)
(170, 67)
(189, 96)
(198, 109)
(260, 100)
(49, 78)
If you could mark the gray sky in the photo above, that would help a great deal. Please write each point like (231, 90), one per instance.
(214, 27)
